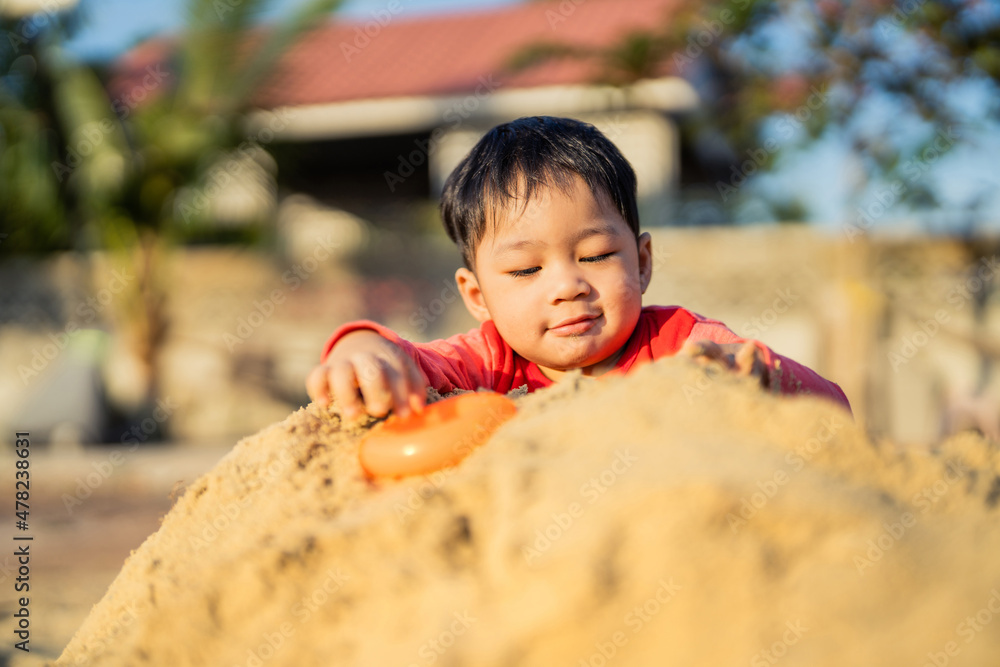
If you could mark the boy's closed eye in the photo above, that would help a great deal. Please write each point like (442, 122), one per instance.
(520, 273)
(597, 258)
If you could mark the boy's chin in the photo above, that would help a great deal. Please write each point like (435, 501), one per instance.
(564, 364)
(579, 351)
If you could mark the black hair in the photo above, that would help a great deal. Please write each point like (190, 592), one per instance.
(514, 159)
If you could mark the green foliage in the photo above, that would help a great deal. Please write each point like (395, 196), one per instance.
(758, 63)
(76, 163)
(81, 170)
(32, 210)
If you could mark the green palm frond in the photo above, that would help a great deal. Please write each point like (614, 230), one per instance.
(535, 55)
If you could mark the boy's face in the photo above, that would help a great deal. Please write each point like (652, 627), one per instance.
(562, 280)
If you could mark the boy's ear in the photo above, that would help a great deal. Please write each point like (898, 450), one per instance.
(472, 295)
(645, 260)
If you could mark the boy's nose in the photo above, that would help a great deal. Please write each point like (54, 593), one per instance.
(568, 284)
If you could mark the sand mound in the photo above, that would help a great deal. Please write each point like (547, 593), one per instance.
(675, 516)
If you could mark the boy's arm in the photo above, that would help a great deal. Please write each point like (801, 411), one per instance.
(784, 375)
(463, 361)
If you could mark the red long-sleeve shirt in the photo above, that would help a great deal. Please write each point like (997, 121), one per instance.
(481, 358)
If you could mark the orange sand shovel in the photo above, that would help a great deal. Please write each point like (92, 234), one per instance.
(439, 436)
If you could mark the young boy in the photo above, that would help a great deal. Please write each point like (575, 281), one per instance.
(544, 213)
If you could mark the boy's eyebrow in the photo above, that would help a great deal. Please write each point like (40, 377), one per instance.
(605, 228)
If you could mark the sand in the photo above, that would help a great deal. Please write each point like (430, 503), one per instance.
(675, 516)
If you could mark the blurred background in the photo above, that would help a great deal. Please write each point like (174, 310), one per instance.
(195, 193)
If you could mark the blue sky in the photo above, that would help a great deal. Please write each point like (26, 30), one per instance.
(112, 26)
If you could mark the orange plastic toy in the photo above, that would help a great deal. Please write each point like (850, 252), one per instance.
(440, 436)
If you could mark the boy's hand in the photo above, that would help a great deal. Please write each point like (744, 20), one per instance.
(367, 373)
(744, 358)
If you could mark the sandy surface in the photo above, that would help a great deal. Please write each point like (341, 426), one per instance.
(84, 526)
(674, 516)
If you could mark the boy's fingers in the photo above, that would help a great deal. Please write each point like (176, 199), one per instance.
(417, 401)
(343, 381)
(704, 351)
(701, 348)
(751, 363)
(375, 388)
(405, 381)
(746, 359)
(399, 387)
(417, 387)
(317, 385)
(690, 349)
(396, 373)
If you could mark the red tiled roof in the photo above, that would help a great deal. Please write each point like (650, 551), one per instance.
(440, 54)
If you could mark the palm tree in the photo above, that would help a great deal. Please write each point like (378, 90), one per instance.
(81, 168)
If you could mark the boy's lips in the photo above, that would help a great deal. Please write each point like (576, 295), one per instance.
(574, 325)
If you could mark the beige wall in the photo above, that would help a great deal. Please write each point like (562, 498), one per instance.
(247, 327)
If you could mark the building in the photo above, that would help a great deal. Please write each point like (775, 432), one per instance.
(370, 116)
